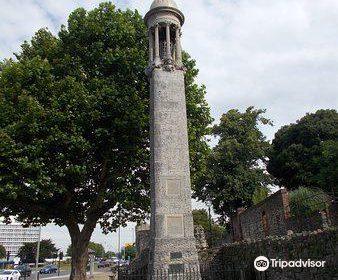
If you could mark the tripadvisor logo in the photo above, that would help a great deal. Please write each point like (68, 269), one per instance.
(262, 263)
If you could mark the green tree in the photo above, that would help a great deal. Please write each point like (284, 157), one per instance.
(97, 247)
(306, 153)
(2, 252)
(129, 251)
(260, 194)
(201, 218)
(27, 252)
(236, 165)
(69, 250)
(74, 127)
(109, 254)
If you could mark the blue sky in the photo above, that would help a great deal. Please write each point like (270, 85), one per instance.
(278, 55)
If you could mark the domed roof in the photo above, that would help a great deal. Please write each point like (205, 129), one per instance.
(163, 3)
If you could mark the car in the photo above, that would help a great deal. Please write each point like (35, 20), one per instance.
(115, 260)
(124, 264)
(103, 264)
(10, 274)
(51, 268)
(24, 269)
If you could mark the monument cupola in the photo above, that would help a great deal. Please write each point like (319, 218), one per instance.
(164, 21)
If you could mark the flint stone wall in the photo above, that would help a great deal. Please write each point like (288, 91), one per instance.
(249, 223)
(317, 245)
(272, 217)
(309, 221)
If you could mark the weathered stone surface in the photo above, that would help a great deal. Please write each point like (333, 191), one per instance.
(201, 241)
(172, 229)
(172, 223)
(143, 244)
(272, 217)
(316, 246)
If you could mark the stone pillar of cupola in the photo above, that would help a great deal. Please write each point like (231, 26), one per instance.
(151, 46)
(168, 42)
(157, 59)
(178, 52)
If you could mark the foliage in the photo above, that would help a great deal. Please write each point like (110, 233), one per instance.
(306, 153)
(69, 250)
(129, 251)
(260, 194)
(236, 165)
(306, 200)
(27, 252)
(2, 252)
(201, 218)
(97, 247)
(199, 121)
(109, 254)
(74, 126)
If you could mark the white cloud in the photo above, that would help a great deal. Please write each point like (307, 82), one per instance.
(278, 55)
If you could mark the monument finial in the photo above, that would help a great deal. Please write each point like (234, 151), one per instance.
(163, 3)
(164, 8)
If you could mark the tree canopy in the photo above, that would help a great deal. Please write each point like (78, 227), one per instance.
(97, 247)
(236, 165)
(109, 254)
(260, 194)
(74, 126)
(201, 218)
(128, 252)
(306, 153)
(27, 252)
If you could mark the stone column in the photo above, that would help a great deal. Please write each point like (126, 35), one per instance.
(172, 249)
(178, 47)
(157, 46)
(151, 46)
(168, 54)
(91, 271)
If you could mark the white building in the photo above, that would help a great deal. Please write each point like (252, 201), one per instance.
(14, 235)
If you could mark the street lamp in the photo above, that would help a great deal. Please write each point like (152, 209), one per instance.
(37, 256)
(208, 202)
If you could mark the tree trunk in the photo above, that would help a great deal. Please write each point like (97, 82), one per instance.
(79, 262)
(80, 241)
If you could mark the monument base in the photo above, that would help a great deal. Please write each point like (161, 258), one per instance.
(174, 257)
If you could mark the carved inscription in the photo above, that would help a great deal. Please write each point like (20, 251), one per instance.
(175, 226)
(173, 187)
(175, 255)
(176, 268)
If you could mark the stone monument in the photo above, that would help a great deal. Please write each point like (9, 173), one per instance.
(172, 245)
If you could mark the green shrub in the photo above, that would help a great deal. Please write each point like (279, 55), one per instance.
(307, 200)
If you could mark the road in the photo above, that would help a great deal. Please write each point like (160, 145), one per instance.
(55, 275)
(42, 276)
